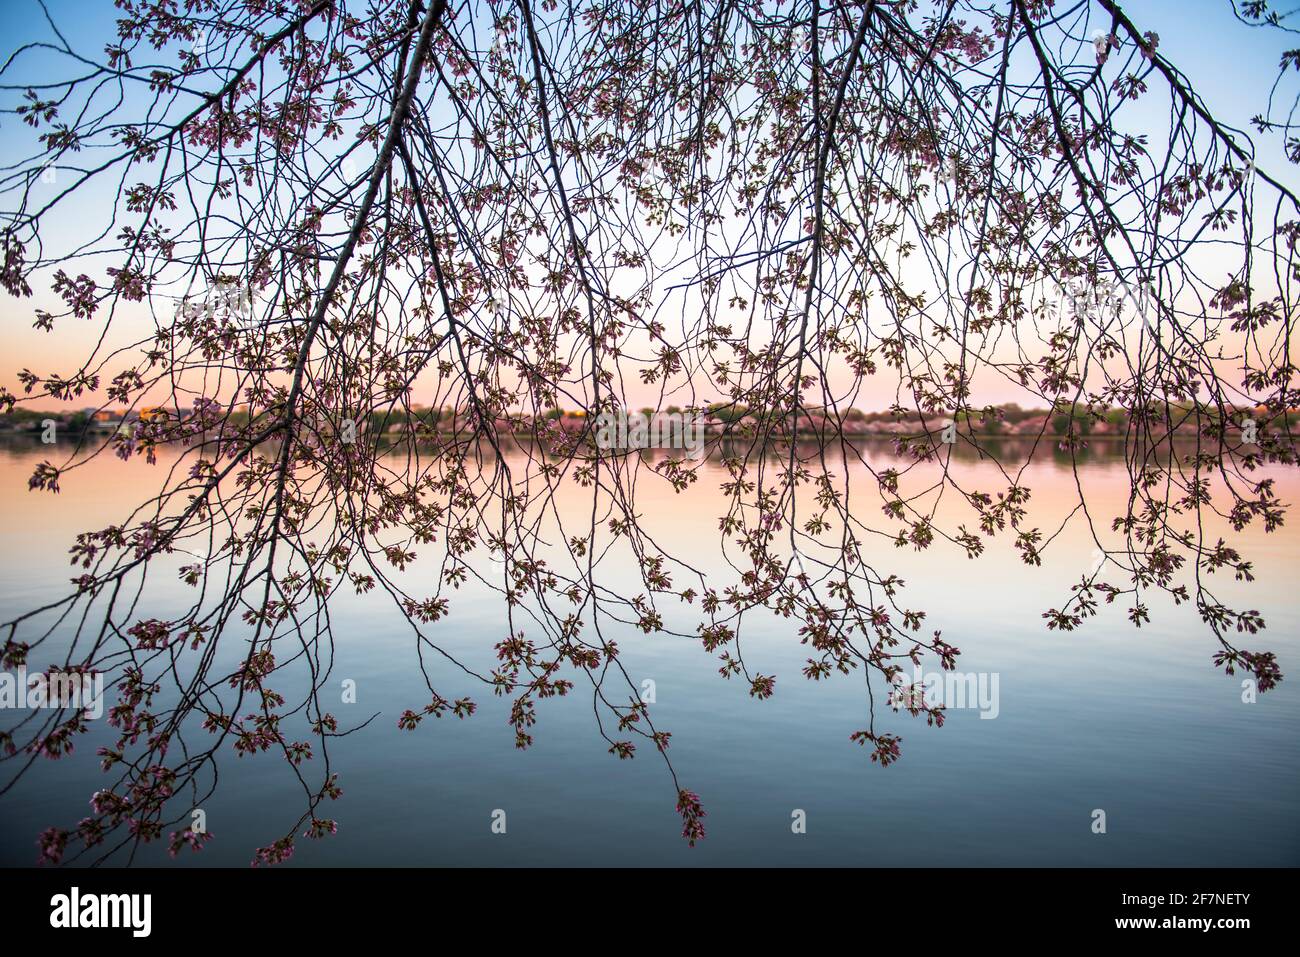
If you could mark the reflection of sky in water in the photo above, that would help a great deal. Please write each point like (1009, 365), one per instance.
(1137, 723)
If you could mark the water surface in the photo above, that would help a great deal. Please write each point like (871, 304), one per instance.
(1134, 722)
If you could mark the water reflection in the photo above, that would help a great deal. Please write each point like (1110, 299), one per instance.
(1137, 723)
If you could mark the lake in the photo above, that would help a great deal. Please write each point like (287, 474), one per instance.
(1137, 723)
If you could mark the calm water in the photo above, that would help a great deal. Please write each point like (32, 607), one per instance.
(1137, 723)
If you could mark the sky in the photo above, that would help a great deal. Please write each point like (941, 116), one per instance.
(1230, 65)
